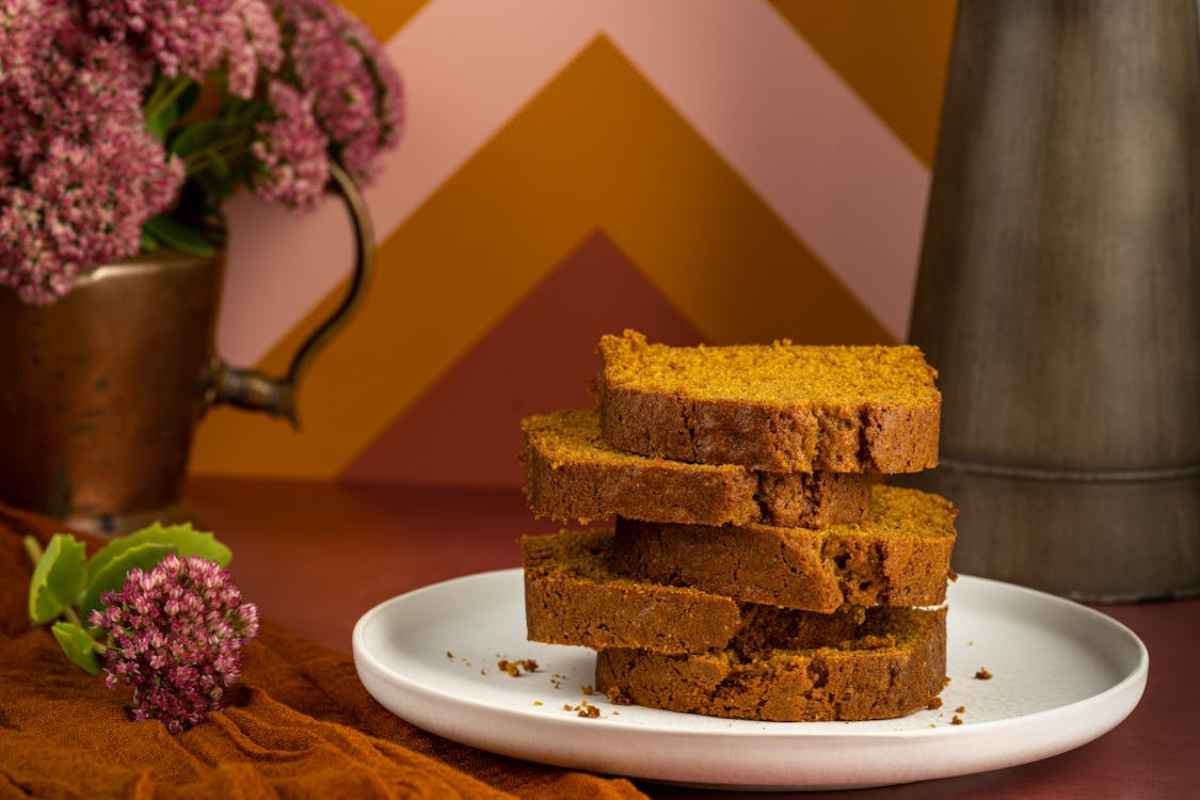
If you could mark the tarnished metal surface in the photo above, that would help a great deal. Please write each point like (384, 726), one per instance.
(1059, 295)
(101, 391)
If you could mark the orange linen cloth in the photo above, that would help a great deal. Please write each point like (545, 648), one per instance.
(300, 725)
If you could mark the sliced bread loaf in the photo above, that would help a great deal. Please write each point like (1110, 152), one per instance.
(573, 597)
(778, 407)
(895, 664)
(572, 474)
(899, 555)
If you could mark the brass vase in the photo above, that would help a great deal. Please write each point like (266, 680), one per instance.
(100, 392)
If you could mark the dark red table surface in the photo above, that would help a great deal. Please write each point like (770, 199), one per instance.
(315, 556)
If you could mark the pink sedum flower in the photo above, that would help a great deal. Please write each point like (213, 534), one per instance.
(79, 173)
(27, 29)
(291, 151)
(358, 95)
(192, 37)
(85, 206)
(252, 41)
(185, 37)
(176, 635)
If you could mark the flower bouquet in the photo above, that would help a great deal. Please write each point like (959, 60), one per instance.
(125, 123)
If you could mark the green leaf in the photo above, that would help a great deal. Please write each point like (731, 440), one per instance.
(57, 578)
(187, 101)
(184, 539)
(168, 106)
(79, 646)
(219, 165)
(110, 577)
(178, 236)
(149, 243)
(158, 124)
(217, 187)
(195, 138)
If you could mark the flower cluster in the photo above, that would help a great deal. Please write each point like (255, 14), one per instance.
(192, 37)
(342, 100)
(291, 151)
(27, 28)
(182, 36)
(79, 173)
(175, 635)
(83, 165)
(359, 98)
(253, 44)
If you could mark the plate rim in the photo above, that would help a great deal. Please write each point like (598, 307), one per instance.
(1139, 674)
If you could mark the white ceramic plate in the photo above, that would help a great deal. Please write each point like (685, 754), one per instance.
(1063, 676)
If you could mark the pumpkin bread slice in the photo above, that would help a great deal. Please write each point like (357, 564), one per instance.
(571, 474)
(899, 555)
(893, 665)
(572, 597)
(777, 408)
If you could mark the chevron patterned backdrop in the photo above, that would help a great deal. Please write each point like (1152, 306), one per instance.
(702, 170)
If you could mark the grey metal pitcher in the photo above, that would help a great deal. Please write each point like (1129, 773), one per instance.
(1059, 295)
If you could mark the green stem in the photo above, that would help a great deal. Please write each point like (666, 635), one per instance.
(161, 99)
(228, 149)
(236, 142)
(160, 86)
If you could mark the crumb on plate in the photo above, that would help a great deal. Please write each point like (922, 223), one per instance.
(516, 667)
(587, 710)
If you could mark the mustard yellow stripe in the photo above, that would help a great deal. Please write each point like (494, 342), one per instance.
(894, 53)
(383, 17)
(598, 147)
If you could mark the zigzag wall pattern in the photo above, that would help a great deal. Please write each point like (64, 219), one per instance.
(600, 202)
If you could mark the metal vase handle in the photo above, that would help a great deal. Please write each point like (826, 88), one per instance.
(250, 389)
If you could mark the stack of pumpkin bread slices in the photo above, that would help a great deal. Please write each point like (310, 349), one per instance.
(758, 567)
